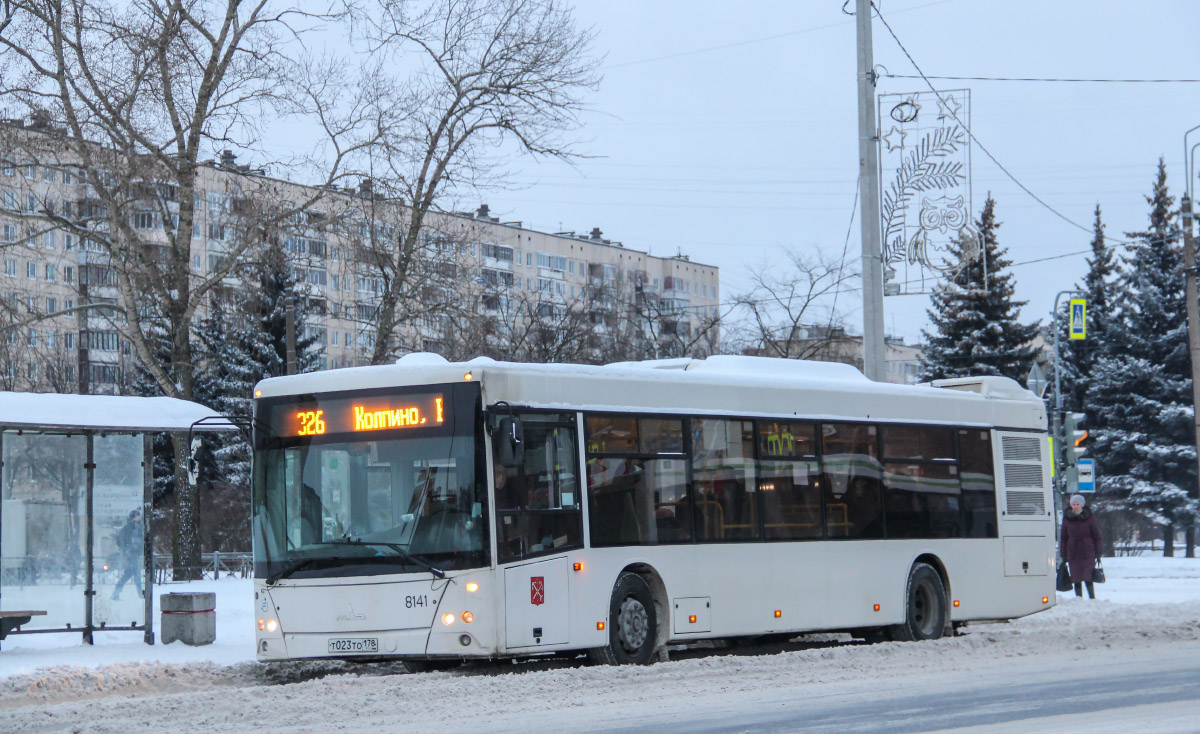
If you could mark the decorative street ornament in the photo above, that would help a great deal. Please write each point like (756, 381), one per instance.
(925, 172)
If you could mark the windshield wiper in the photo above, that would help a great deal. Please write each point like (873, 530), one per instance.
(400, 551)
(293, 568)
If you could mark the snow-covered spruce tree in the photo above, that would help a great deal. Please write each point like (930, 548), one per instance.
(245, 341)
(1140, 396)
(976, 331)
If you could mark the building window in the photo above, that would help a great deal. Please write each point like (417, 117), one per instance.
(145, 220)
(68, 274)
(32, 338)
(51, 305)
(69, 241)
(10, 267)
(31, 270)
(50, 273)
(216, 231)
(68, 340)
(10, 233)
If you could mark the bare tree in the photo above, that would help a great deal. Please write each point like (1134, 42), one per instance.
(785, 303)
(127, 99)
(492, 77)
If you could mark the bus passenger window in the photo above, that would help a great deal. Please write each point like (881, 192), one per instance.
(978, 482)
(789, 483)
(635, 501)
(853, 501)
(723, 479)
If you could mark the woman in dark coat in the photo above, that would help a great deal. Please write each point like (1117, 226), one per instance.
(1080, 544)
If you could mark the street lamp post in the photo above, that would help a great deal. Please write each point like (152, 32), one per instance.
(1192, 304)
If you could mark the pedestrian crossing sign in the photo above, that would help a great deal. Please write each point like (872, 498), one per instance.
(1078, 327)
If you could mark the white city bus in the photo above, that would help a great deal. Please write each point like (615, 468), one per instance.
(430, 510)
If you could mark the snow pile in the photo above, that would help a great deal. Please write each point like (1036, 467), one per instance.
(1147, 610)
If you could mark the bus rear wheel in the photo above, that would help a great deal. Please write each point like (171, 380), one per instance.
(632, 624)
(926, 609)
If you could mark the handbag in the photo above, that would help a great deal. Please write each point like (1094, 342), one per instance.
(1098, 573)
(1063, 582)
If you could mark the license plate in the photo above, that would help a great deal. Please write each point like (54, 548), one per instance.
(354, 645)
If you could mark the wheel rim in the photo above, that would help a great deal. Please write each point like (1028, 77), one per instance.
(921, 609)
(633, 624)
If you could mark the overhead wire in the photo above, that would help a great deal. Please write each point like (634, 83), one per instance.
(1040, 79)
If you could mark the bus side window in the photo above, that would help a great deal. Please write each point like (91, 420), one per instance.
(789, 481)
(978, 482)
(853, 500)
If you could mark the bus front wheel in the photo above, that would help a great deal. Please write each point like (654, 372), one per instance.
(926, 609)
(632, 624)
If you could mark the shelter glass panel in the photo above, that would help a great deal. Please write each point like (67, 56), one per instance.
(118, 539)
(44, 520)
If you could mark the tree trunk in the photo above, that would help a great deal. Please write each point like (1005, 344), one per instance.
(1189, 539)
(1169, 540)
(185, 548)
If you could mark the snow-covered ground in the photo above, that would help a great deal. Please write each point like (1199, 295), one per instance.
(1147, 611)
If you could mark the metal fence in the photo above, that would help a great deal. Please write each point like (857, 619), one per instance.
(212, 566)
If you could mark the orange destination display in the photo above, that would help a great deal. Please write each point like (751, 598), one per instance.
(307, 418)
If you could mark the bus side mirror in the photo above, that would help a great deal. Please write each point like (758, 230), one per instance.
(508, 442)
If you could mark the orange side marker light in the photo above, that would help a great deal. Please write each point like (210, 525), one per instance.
(877, 607)
(778, 613)
(600, 626)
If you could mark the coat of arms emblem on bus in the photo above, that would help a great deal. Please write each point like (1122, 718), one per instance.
(537, 590)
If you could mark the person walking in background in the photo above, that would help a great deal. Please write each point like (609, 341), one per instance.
(129, 544)
(1080, 544)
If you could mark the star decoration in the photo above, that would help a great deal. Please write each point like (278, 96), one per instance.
(895, 139)
(948, 106)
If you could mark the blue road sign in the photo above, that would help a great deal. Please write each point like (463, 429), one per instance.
(1087, 475)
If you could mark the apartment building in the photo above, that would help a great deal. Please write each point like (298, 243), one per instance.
(494, 278)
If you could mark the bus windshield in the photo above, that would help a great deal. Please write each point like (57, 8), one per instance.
(369, 483)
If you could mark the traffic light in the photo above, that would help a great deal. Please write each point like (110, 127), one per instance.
(1076, 436)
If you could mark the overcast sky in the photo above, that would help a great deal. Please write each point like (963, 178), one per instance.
(728, 131)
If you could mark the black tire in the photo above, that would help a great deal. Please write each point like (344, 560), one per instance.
(632, 624)
(926, 611)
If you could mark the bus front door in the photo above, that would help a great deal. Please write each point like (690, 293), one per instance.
(536, 606)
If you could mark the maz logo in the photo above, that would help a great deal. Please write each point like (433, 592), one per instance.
(350, 615)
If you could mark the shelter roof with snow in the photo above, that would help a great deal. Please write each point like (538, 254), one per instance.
(54, 411)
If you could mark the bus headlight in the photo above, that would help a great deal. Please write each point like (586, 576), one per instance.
(472, 587)
(448, 618)
(467, 617)
(272, 625)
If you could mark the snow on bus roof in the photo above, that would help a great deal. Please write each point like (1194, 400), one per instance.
(105, 413)
(724, 369)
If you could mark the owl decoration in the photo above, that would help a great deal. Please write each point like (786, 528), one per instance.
(943, 221)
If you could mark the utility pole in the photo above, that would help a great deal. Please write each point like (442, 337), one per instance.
(1193, 323)
(874, 349)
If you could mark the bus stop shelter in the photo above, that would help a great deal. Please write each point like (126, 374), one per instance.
(76, 484)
